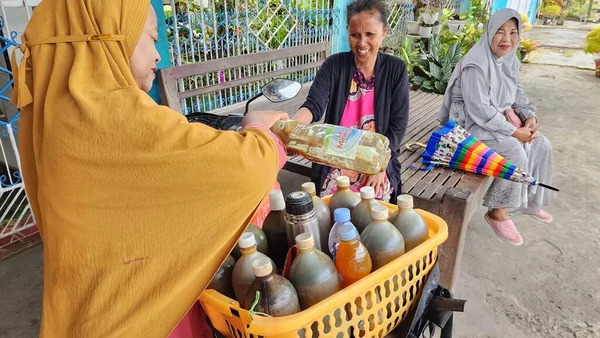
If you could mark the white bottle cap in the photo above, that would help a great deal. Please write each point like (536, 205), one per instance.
(342, 181)
(262, 267)
(247, 240)
(405, 202)
(310, 188)
(379, 212)
(277, 201)
(367, 193)
(305, 241)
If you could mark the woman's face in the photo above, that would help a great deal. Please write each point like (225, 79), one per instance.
(506, 38)
(365, 34)
(145, 57)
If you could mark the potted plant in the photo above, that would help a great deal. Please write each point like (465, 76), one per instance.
(430, 15)
(457, 24)
(527, 46)
(437, 27)
(592, 46)
(425, 30)
(413, 25)
(550, 13)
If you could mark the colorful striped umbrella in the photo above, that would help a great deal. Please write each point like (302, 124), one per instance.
(454, 147)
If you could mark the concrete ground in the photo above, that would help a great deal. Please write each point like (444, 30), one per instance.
(561, 45)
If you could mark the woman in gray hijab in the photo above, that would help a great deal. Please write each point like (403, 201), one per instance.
(485, 96)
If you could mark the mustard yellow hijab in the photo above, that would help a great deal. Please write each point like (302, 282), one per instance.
(136, 207)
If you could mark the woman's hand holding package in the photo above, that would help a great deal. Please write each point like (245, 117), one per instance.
(266, 118)
(376, 181)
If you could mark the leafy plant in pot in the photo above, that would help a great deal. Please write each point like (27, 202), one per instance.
(437, 27)
(527, 46)
(429, 15)
(434, 70)
(425, 30)
(592, 46)
(456, 25)
(413, 25)
(550, 13)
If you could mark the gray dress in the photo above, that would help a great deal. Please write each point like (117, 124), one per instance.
(471, 108)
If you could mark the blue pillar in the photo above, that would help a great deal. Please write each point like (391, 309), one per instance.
(498, 5)
(340, 41)
(162, 45)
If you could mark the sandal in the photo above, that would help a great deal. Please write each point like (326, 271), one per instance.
(542, 216)
(506, 230)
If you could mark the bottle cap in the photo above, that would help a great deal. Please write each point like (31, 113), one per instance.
(347, 232)
(298, 203)
(262, 267)
(341, 215)
(367, 193)
(310, 188)
(342, 181)
(305, 240)
(379, 212)
(276, 200)
(405, 202)
(247, 240)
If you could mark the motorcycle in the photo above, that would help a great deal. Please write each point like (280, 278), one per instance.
(277, 90)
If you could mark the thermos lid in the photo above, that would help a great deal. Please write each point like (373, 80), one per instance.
(341, 215)
(379, 212)
(298, 203)
(262, 267)
(276, 200)
(367, 193)
(247, 240)
(305, 240)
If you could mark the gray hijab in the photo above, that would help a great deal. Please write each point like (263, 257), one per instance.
(501, 74)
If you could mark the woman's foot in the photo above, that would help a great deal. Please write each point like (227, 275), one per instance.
(504, 227)
(542, 216)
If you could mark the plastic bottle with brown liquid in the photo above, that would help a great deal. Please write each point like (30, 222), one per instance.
(274, 228)
(242, 275)
(352, 259)
(361, 214)
(277, 297)
(261, 242)
(343, 197)
(323, 214)
(313, 273)
(383, 241)
(221, 281)
(411, 225)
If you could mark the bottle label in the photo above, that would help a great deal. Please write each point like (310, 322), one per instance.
(343, 142)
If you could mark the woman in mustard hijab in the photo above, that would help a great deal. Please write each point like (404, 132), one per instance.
(136, 207)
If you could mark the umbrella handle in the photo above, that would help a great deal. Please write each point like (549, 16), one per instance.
(409, 145)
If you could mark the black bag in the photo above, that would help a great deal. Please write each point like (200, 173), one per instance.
(435, 308)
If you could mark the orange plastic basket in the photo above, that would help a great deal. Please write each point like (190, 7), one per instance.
(371, 307)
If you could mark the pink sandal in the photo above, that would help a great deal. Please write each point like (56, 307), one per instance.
(542, 216)
(506, 230)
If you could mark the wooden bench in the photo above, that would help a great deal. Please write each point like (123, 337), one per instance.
(452, 194)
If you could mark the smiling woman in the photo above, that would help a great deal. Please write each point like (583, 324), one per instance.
(364, 89)
(485, 96)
